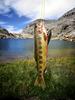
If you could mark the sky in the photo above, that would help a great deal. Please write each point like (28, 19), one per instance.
(16, 14)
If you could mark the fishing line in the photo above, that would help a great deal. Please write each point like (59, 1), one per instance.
(42, 9)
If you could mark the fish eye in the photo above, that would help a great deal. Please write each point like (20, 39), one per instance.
(35, 26)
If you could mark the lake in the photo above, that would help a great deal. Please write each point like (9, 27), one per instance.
(24, 48)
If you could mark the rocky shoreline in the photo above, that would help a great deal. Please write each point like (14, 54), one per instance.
(65, 37)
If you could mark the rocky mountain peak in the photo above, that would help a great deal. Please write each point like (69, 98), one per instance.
(61, 27)
(69, 14)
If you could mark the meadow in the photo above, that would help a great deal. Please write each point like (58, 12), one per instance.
(17, 80)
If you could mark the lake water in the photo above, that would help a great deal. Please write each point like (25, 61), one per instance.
(23, 48)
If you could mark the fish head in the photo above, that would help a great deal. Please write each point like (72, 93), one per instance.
(40, 28)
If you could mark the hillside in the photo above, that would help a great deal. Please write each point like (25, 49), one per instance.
(29, 29)
(63, 28)
(5, 34)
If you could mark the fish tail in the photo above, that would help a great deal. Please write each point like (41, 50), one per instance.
(40, 82)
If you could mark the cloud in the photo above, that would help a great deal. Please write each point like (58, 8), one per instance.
(3, 7)
(10, 28)
(35, 8)
(2, 23)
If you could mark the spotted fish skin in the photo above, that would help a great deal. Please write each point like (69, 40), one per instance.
(40, 51)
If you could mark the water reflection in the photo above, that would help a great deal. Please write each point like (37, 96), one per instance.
(61, 48)
(16, 48)
(4, 44)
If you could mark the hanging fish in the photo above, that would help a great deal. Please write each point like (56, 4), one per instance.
(41, 41)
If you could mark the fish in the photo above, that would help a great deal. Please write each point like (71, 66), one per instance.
(41, 41)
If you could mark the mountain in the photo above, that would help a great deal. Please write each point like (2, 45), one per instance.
(63, 28)
(67, 21)
(23, 35)
(5, 34)
(66, 26)
(29, 29)
(69, 14)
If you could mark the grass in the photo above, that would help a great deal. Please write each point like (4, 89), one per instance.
(17, 80)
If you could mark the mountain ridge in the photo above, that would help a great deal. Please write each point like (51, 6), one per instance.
(4, 33)
(63, 28)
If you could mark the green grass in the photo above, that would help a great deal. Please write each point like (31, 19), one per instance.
(17, 79)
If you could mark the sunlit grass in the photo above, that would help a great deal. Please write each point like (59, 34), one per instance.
(17, 79)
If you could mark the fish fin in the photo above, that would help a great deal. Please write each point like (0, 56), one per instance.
(40, 82)
(49, 36)
(35, 57)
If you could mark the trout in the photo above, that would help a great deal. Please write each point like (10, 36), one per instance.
(41, 41)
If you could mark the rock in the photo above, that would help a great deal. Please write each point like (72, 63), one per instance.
(62, 27)
(22, 35)
(5, 34)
